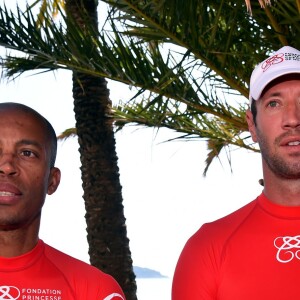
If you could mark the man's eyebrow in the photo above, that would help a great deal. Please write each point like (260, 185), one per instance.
(29, 142)
(275, 94)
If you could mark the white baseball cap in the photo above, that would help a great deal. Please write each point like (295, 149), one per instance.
(284, 61)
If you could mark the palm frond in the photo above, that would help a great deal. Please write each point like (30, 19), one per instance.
(70, 132)
(191, 66)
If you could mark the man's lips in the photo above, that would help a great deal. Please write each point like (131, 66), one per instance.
(9, 194)
(290, 141)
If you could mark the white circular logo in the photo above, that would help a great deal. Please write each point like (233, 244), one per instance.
(9, 292)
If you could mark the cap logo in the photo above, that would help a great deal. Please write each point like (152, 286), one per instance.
(282, 62)
(273, 60)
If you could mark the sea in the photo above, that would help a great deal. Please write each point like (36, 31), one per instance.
(154, 288)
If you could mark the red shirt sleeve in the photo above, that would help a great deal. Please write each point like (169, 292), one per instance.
(195, 273)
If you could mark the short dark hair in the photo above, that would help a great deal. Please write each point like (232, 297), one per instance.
(253, 110)
(48, 127)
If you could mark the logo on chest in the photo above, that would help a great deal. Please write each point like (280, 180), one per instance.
(288, 248)
(9, 292)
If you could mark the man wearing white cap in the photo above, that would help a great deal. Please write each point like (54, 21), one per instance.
(254, 253)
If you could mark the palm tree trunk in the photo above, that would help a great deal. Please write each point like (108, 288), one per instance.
(107, 235)
(106, 229)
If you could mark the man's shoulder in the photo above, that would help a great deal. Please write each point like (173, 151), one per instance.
(236, 217)
(87, 281)
(68, 264)
(221, 229)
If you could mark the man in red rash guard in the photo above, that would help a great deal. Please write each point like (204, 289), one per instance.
(30, 269)
(254, 253)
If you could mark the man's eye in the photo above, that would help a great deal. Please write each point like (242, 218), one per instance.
(28, 153)
(273, 103)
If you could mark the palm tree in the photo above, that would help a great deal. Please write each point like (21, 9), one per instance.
(106, 225)
(106, 228)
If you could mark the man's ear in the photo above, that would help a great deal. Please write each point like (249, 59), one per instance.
(251, 125)
(54, 180)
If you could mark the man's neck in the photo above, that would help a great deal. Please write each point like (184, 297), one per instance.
(17, 242)
(283, 191)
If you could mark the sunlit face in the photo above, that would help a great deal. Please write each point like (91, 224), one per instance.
(25, 173)
(277, 129)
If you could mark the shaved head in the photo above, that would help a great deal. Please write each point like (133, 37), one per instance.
(49, 131)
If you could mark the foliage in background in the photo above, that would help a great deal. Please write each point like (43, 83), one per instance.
(190, 60)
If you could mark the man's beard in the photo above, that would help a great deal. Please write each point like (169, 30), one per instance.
(280, 167)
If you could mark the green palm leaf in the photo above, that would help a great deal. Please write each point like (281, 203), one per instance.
(190, 60)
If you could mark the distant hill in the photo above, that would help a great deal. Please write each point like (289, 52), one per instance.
(146, 273)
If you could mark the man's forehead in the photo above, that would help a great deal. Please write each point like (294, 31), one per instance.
(25, 123)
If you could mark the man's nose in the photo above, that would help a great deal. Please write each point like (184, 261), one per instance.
(291, 117)
(7, 164)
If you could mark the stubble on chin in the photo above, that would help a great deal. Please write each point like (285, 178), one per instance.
(17, 222)
(280, 166)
